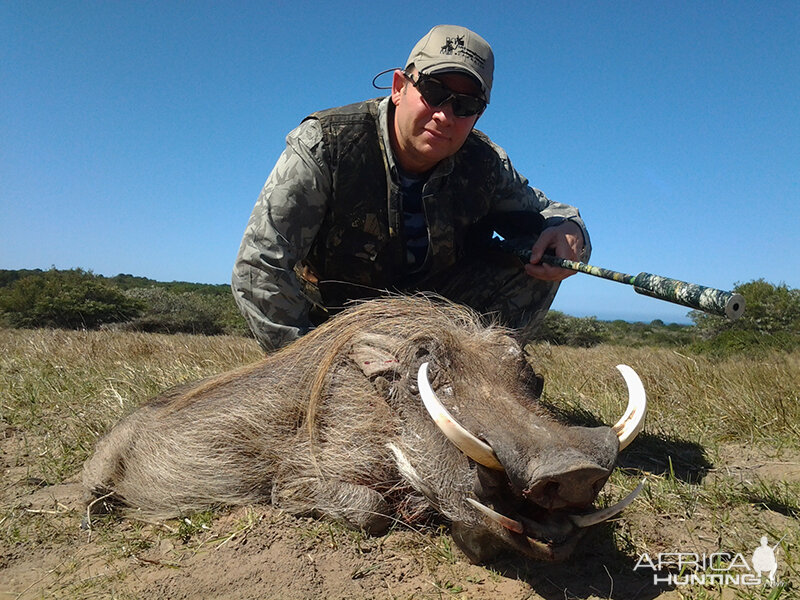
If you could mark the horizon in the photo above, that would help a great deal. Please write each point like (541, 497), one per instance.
(609, 319)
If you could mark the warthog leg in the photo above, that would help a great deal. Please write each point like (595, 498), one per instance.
(358, 506)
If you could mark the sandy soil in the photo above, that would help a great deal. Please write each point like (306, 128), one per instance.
(258, 552)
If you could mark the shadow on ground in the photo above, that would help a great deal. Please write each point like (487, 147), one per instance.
(676, 458)
(596, 569)
(681, 459)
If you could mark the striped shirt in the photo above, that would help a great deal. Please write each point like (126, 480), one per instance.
(415, 226)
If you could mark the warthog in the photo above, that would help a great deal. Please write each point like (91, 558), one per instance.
(394, 407)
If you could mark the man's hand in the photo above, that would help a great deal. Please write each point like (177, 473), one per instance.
(566, 241)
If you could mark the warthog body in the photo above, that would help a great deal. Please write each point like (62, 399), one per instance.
(333, 426)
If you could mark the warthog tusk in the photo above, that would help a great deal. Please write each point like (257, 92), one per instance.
(581, 521)
(606, 513)
(477, 450)
(507, 522)
(631, 423)
(408, 471)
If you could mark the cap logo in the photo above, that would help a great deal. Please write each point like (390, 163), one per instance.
(455, 46)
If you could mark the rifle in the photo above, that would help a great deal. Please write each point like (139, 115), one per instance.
(707, 299)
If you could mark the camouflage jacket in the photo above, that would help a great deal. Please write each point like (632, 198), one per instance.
(338, 214)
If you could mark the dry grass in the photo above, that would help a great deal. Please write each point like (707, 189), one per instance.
(708, 401)
(61, 389)
(721, 447)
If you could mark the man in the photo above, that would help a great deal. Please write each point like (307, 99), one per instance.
(402, 194)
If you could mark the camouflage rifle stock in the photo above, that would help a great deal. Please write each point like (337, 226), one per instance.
(710, 300)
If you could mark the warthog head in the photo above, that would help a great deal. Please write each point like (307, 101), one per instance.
(395, 407)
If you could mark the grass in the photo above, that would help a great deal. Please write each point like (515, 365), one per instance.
(61, 389)
(709, 401)
(721, 434)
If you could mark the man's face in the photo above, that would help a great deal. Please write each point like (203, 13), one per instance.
(423, 135)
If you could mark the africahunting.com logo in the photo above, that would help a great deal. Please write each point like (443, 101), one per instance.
(717, 568)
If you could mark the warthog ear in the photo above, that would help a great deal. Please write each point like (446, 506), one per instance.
(373, 356)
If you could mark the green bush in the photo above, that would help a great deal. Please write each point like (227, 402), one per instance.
(655, 333)
(561, 329)
(9, 276)
(79, 299)
(771, 319)
(735, 341)
(73, 299)
(168, 311)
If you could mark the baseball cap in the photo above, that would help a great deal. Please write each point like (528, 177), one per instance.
(453, 49)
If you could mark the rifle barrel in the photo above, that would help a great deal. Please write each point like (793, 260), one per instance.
(699, 297)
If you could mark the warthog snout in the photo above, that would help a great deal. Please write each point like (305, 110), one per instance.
(393, 409)
(574, 487)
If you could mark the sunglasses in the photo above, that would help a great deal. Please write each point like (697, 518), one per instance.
(437, 94)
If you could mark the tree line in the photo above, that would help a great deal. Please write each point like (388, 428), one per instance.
(79, 299)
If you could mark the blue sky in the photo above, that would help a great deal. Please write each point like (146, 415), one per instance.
(136, 136)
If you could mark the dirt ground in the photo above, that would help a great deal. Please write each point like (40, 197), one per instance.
(273, 555)
(258, 552)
